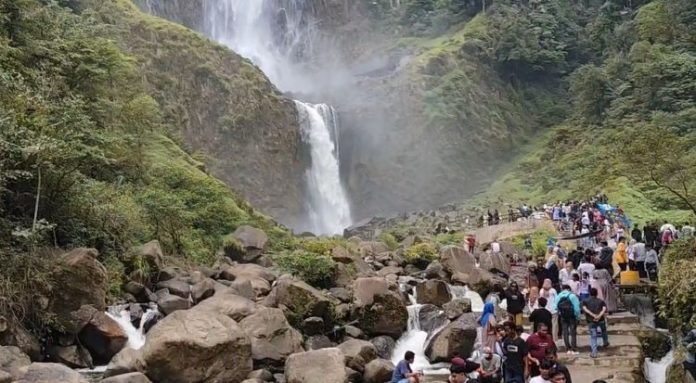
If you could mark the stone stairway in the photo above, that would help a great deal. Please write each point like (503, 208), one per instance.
(619, 363)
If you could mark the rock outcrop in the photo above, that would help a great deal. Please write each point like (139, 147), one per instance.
(433, 291)
(458, 336)
(197, 346)
(387, 315)
(272, 337)
(317, 366)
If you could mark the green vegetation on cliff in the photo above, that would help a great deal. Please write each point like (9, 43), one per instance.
(90, 151)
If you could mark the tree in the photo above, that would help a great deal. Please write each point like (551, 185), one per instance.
(659, 156)
(589, 87)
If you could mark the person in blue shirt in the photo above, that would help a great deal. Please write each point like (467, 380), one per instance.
(403, 373)
(567, 305)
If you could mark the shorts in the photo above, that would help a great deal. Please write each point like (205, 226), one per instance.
(403, 380)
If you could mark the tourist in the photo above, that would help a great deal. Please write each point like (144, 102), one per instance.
(556, 376)
(566, 274)
(606, 259)
(639, 253)
(495, 247)
(652, 264)
(544, 373)
(523, 334)
(532, 300)
(636, 234)
(403, 373)
(553, 269)
(501, 334)
(568, 308)
(515, 303)
(595, 311)
(458, 374)
(488, 323)
(490, 370)
(604, 283)
(621, 254)
(532, 280)
(470, 365)
(550, 293)
(574, 284)
(667, 237)
(541, 315)
(689, 342)
(584, 287)
(471, 243)
(537, 344)
(552, 356)
(687, 231)
(586, 266)
(515, 355)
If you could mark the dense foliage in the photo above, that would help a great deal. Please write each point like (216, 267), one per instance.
(676, 285)
(90, 156)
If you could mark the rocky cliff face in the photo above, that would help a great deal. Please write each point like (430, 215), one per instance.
(222, 106)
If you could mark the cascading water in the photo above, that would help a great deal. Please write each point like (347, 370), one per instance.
(136, 336)
(276, 40)
(414, 339)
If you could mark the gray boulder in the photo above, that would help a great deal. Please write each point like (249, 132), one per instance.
(49, 373)
(133, 377)
(358, 353)
(433, 292)
(387, 315)
(316, 366)
(384, 346)
(456, 307)
(378, 371)
(458, 336)
(272, 338)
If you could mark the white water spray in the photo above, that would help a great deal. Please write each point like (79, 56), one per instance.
(136, 336)
(277, 40)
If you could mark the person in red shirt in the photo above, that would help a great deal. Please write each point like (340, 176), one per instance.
(471, 243)
(537, 344)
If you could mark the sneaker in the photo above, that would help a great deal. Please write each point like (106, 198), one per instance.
(606, 345)
(593, 356)
(575, 353)
(569, 352)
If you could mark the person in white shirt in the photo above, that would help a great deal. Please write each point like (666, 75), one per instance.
(566, 273)
(545, 369)
(586, 266)
(495, 247)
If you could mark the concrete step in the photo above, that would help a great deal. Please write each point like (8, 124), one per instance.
(583, 359)
(614, 329)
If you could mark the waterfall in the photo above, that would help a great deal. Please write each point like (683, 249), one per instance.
(279, 41)
(328, 205)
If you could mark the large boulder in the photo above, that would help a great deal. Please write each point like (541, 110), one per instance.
(12, 360)
(365, 289)
(73, 356)
(151, 252)
(316, 366)
(431, 318)
(249, 243)
(456, 307)
(13, 334)
(384, 346)
(80, 280)
(176, 286)
(378, 371)
(316, 342)
(169, 303)
(229, 304)
(272, 338)
(433, 291)
(387, 315)
(490, 261)
(103, 337)
(132, 377)
(259, 277)
(358, 353)
(455, 259)
(197, 346)
(371, 248)
(301, 300)
(49, 373)
(458, 336)
(203, 290)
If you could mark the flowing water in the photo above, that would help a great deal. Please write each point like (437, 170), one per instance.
(279, 41)
(414, 339)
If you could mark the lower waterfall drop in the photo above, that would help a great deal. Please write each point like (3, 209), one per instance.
(328, 204)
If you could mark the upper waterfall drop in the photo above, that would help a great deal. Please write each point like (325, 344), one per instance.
(276, 40)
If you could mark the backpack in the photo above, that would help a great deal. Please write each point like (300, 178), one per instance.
(565, 308)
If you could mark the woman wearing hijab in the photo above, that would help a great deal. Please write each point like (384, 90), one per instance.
(532, 297)
(547, 291)
(488, 323)
(603, 282)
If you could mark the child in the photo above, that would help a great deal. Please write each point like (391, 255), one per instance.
(584, 287)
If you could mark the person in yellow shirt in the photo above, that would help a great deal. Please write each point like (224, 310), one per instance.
(621, 254)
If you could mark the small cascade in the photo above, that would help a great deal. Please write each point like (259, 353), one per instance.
(136, 336)
(414, 339)
(473, 296)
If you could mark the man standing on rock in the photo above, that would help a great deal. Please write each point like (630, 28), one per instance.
(596, 310)
(515, 350)
(537, 344)
(403, 373)
(515, 303)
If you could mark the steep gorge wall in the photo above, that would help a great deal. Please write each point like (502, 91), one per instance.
(221, 105)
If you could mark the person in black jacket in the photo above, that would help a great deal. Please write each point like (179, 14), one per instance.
(515, 303)
(606, 260)
(637, 234)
